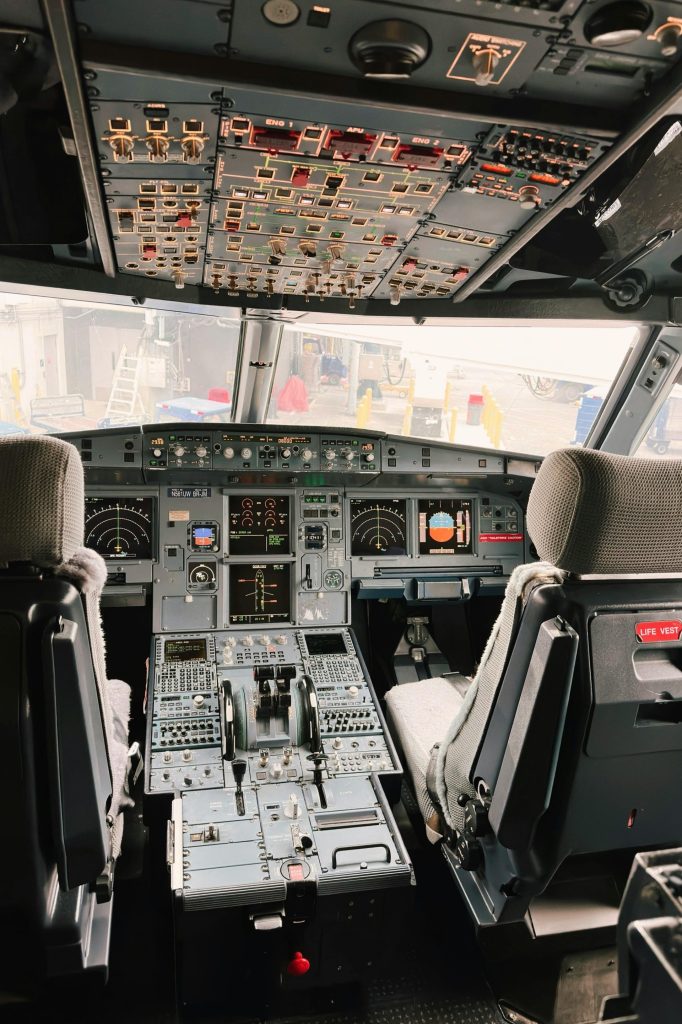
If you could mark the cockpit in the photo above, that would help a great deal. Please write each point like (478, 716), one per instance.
(340, 496)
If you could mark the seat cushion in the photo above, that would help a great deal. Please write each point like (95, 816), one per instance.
(420, 714)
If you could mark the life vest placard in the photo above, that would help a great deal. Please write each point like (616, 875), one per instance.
(658, 632)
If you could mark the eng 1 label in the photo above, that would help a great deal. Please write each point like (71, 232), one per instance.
(500, 538)
(189, 492)
(658, 632)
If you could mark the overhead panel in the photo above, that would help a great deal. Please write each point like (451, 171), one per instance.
(266, 192)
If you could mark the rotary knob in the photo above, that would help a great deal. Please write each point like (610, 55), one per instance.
(228, 453)
(353, 691)
(265, 640)
(285, 453)
(348, 454)
(246, 453)
(529, 197)
(337, 743)
(306, 454)
(201, 452)
(329, 454)
(199, 700)
(231, 642)
(179, 451)
(157, 453)
(247, 640)
(369, 457)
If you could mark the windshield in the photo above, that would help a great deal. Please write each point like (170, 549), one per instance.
(72, 366)
(526, 388)
(68, 366)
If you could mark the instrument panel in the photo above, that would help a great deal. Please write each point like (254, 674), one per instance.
(253, 532)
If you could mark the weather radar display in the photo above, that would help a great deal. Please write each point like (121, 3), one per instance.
(378, 526)
(445, 526)
(119, 528)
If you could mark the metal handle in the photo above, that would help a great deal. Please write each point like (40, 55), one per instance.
(373, 846)
(227, 720)
(313, 711)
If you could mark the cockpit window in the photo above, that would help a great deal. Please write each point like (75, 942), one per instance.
(526, 388)
(67, 365)
(70, 366)
(664, 433)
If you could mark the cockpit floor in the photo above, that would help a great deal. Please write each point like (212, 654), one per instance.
(436, 977)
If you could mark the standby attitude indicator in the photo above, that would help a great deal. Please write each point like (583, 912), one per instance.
(119, 528)
(445, 526)
(378, 527)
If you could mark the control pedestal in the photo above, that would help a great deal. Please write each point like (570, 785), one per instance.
(268, 719)
(317, 877)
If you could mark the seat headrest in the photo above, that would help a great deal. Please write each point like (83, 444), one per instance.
(42, 504)
(595, 513)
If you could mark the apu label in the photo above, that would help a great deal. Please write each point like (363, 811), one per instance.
(189, 492)
(504, 538)
(658, 632)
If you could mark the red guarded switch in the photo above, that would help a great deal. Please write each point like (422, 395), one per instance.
(184, 220)
(298, 965)
(299, 177)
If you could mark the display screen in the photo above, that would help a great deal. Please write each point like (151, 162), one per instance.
(378, 526)
(445, 526)
(325, 643)
(260, 593)
(120, 528)
(204, 536)
(259, 524)
(185, 650)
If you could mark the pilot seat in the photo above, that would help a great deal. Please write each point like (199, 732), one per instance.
(63, 726)
(568, 740)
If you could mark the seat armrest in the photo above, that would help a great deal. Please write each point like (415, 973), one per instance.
(524, 785)
(78, 772)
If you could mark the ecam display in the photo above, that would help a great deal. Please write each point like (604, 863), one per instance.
(259, 524)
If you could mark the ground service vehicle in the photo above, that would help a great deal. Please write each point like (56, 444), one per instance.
(340, 559)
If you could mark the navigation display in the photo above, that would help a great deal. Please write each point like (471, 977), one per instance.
(378, 526)
(259, 524)
(120, 528)
(445, 526)
(260, 593)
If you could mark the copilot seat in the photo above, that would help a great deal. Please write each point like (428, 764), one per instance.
(568, 741)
